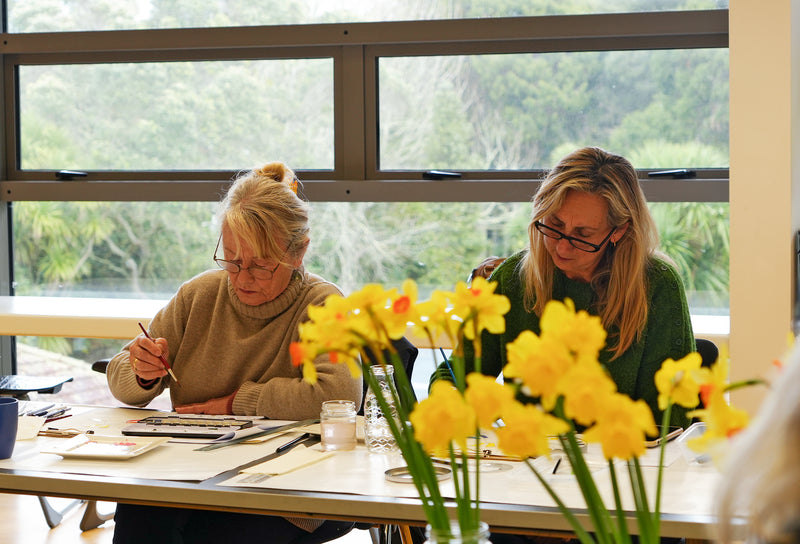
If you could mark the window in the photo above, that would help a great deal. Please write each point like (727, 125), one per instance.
(160, 120)
(221, 115)
(525, 111)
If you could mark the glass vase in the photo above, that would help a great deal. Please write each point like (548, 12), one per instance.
(453, 535)
(377, 432)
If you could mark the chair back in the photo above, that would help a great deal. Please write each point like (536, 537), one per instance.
(708, 351)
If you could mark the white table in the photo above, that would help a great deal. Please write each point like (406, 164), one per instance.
(349, 485)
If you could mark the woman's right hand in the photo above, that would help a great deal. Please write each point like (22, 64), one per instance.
(145, 357)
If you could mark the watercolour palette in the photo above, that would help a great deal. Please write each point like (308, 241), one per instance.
(106, 447)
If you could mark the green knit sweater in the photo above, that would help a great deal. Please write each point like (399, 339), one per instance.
(668, 332)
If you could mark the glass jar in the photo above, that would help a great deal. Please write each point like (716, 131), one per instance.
(337, 422)
(453, 535)
(377, 432)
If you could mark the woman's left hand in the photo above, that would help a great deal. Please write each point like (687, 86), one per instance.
(219, 405)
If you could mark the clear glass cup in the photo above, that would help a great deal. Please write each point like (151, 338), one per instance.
(338, 424)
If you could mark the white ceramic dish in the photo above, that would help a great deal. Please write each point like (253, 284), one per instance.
(106, 447)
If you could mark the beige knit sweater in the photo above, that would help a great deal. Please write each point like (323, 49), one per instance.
(218, 345)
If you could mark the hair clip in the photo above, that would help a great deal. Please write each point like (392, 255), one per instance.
(293, 185)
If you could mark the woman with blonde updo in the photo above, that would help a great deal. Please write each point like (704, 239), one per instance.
(226, 336)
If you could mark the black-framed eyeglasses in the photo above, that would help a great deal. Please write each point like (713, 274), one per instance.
(258, 272)
(577, 243)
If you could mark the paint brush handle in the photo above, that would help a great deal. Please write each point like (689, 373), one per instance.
(163, 359)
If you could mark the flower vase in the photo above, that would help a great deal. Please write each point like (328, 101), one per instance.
(377, 432)
(453, 535)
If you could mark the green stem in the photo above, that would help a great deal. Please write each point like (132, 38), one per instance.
(640, 500)
(598, 513)
(745, 383)
(424, 476)
(477, 503)
(665, 421)
(621, 531)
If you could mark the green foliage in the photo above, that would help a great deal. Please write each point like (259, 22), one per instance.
(695, 236)
(69, 247)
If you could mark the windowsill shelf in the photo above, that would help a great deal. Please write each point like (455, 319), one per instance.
(71, 317)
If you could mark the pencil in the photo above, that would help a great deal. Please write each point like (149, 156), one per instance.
(163, 359)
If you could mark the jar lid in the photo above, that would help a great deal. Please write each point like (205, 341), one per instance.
(339, 407)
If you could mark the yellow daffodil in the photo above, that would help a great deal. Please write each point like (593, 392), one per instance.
(677, 381)
(586, 388)
(480, 308)
(353, 362)
(487, 397)
(300, 353)
(400, 312)
(714, 379)
(371, 296)
(538, 364)
(442, 418)
(582, 333)
(526, 430)
(435, 317)
(722, 421)
(334, 325)
(621, 427)
(310, 373)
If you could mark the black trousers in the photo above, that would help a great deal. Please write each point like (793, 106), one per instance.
(137, 524)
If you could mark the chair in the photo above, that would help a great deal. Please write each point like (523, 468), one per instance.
(708, 351)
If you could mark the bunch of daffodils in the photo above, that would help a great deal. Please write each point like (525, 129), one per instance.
(347, 328)
(559, 367)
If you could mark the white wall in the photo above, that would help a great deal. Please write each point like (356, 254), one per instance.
(764, 206)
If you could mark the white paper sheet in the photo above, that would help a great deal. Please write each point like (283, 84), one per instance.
(170, 461)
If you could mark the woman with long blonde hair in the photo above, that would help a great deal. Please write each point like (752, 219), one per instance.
(592, 239)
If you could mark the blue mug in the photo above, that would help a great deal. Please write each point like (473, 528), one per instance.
(9, 416)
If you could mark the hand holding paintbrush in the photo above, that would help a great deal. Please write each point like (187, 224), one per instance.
(161, 357)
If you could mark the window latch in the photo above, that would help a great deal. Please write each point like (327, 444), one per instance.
(69, 175)
(681, 173)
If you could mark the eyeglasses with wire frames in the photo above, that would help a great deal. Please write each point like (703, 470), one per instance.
(577, 243)
(258, 272)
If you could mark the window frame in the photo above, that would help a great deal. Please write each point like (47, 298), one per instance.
(355, 49)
